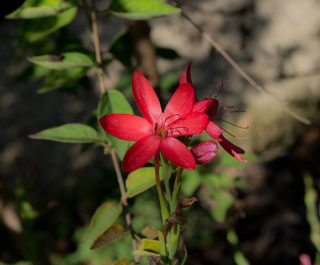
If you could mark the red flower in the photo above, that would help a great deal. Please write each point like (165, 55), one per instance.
(157, 129)
(210, 106)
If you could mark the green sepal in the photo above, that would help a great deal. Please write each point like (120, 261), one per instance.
(173, 241)
(163, 247)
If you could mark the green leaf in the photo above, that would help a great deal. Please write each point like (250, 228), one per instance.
(64, 61)
(113, 101)
(150, 245)
(39, 8)
(141, 9)
(144, 253)
(35, 29)
(123, 261)
(163, 246)
(67, 80)
(113, 233)
(69, 133)
(140, 180)
(103, 218)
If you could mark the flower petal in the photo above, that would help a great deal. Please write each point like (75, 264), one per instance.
(194, 123)
(205, 152)
(215, 132)
(145, 97)
(140, 153)
(185, 76)
(213, 108)
(126, 126)
(177, 153)
(180, 104)
(202, 106)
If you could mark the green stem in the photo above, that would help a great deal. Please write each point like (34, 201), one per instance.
(168, 191)
(163, 204)
(176, 190)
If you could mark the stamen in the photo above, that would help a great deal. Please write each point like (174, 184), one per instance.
(171, 117)
(226, 107)
(230, 112)
(238, 126)
(217, 86)
(239, 138)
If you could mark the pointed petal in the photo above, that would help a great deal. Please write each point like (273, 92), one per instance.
(195, 123)
(126, 126)
(145, 97)
(140, 153)
(202, 106)
(215, 132)
(180, 104)
(213, 108)
(185, 76)
(232, 149)
(177, 153)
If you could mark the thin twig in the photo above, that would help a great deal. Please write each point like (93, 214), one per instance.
(124, 199)
(96, 42)
(237, 67)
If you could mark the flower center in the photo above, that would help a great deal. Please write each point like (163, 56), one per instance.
(160, 131)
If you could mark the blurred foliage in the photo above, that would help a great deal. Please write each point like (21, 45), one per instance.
(313, 213)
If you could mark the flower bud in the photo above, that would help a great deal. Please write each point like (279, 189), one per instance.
(204, 152)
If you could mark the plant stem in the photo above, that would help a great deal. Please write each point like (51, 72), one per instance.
(176, 190)
(163, 204)
(168, 190)
(92, 15)
(124, 199)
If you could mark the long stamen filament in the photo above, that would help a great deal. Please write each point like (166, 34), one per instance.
(229, 112)
(236, 137)
(238, 126)
(219, 85)
(171, 117)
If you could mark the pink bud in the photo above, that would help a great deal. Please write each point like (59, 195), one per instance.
(305, 259)
(204, 152)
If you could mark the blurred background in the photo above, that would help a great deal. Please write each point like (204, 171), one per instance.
(262, 212)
